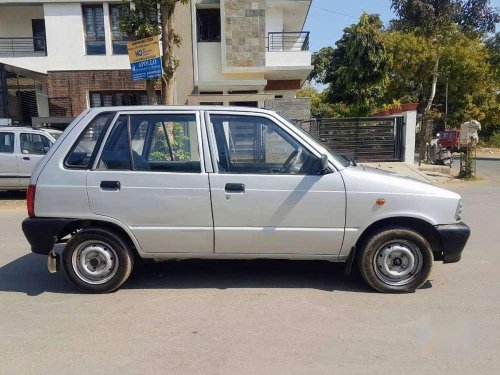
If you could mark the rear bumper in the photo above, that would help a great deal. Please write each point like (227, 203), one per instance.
(43, 233)
(453, 239)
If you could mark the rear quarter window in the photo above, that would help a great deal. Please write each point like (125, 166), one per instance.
(6, 143)
(83, 151)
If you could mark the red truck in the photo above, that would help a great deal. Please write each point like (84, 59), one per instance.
(449, 139)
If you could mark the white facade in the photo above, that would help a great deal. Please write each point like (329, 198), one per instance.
(211, 73)
(64, 34)
(203, 64)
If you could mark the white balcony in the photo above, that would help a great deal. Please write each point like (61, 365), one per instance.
(22, 31)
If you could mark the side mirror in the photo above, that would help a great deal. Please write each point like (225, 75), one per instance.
(352, 161)
(323, 169)
(46, 149)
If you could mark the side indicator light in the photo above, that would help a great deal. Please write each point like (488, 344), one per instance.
(380, 202)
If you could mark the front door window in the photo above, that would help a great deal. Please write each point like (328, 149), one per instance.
(256, 145)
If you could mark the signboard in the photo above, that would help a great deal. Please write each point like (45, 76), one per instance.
(144, 56)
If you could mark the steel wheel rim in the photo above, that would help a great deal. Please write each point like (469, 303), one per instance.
(398, 262)
(95, 262)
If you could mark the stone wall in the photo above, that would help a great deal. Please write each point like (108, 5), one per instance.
(294, 109)
(245, 33)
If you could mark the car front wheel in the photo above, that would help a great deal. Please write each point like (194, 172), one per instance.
(97, 261)
(395, 260)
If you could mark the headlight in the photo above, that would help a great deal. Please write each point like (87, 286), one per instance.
(458, 212)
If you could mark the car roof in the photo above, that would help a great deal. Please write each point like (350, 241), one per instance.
(25, 129)
(20, 129)
(180, 108)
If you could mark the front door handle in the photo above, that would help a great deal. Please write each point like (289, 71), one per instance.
(235, 188)
(26, 158)
(110, 185)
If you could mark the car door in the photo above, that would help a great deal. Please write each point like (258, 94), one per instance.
(268, 196)
(9, 173)
(150, 176)
(33, 147)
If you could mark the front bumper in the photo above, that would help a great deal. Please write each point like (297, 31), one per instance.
(453, 239)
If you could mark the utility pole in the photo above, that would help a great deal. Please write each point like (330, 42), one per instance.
(446, 106)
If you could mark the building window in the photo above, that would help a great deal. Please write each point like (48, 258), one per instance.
(119, 38)
(244, 104)
(211, 103)
(208, 25)
(119, 98)
(93, 21)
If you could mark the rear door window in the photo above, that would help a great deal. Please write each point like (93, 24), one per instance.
(153, 142)
(34, 144)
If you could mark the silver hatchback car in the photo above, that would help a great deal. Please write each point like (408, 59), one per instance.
(126, 183)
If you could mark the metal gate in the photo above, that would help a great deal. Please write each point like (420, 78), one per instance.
(366, 139)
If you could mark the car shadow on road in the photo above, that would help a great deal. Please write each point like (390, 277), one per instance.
(28, 274)
(12, 195)
(226, 274)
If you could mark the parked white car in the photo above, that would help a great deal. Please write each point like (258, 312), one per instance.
(21, 148)
(125, 183)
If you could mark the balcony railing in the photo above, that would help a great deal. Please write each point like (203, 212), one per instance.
(20, 47)
(288, 41)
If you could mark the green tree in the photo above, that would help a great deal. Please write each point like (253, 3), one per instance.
(320, 63)
(145, 18)
(467, 65)
(410, 59)
(321, 108)
(493, 46)
(357, 71)
(426, 17)
(440, 23)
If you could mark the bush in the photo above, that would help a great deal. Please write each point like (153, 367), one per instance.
(495, 140)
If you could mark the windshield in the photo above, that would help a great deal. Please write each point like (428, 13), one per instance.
(339, 158)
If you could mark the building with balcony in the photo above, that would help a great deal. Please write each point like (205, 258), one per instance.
(58, 58)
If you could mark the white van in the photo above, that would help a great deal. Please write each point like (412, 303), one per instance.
(165, 182)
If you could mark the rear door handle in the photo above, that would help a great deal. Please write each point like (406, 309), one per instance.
(110, 185)
(26, 158)
(235, 188)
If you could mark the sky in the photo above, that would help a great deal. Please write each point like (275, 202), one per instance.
(326, 24)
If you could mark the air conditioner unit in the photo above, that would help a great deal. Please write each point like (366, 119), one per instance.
(5, 121)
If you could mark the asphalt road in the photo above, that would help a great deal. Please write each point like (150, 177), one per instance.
(257, 317)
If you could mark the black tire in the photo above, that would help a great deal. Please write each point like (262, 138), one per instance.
(384, 242)
(112, 243)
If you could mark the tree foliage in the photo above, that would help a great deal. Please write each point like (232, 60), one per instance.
(426, 17)
(322, 108)
(320, 62)
(430, 44)
(356, 69)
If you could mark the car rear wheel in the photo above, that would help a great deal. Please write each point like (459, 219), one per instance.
(396, 260)
(97, 261)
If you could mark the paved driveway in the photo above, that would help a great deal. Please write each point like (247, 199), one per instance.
(258, 317)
